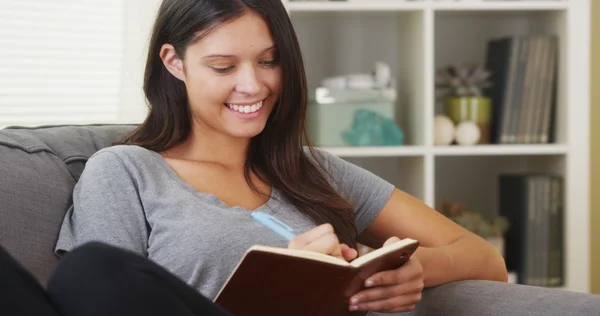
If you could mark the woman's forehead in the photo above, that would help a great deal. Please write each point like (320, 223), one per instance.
(248, 34)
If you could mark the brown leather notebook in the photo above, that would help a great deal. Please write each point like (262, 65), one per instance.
(280, 281)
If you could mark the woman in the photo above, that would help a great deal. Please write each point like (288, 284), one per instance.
(224, 137)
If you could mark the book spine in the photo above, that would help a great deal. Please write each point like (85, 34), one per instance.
(528, 91)
(517, 98)
(503, 100)
(533, 250)
(513, 205)
(542, 92)
(545, 239)
(534, 104)
(545, 132)
(556, 242)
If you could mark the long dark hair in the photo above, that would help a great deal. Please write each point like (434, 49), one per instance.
(276, 156)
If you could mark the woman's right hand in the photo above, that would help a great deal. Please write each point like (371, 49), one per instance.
(324, 240)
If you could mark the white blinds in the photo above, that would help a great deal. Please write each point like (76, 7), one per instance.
(60, 61)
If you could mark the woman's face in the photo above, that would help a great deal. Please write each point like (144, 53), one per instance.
(233, 77)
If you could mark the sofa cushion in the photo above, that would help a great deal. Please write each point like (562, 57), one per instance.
(38, 170)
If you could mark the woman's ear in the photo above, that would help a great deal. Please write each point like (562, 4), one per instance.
(172, 62)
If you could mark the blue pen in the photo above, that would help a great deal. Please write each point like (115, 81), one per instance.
(274, 224)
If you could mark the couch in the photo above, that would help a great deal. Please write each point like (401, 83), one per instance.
(40, 166)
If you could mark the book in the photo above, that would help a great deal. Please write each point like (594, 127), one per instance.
(523, 92)
(281, 281)
(532, 203)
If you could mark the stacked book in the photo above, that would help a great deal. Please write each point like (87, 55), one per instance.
(533, 205)
(523, 75)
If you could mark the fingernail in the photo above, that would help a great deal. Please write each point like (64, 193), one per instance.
(369, 283)
(353, 308)
(354, 301)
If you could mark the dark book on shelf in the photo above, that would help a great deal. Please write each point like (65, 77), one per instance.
(533, 204)
(498, 62)
(523, 91)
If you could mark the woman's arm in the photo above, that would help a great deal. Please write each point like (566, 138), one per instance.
(448, 252)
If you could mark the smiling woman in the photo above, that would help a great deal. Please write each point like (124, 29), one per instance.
(224, 137)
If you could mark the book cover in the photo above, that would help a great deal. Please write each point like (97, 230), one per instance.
(280, 281)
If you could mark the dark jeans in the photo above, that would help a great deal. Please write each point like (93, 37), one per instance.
(98, 279)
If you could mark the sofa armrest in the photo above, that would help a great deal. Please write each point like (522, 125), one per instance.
(475, 298)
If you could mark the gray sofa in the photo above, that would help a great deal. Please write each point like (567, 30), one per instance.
(40, 166)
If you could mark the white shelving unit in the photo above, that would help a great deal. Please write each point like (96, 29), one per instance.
(416, 37)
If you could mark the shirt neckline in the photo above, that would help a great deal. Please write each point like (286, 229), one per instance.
(268, 206)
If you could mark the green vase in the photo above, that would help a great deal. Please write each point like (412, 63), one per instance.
(475, 109)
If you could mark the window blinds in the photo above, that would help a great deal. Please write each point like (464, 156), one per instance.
(60, 61)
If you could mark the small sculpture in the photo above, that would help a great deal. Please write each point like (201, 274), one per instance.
(444, 130)
(372, 129)
(379, 78)
(467, 133)
(462, 81)
(461, 91)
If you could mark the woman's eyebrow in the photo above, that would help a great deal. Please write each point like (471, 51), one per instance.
(211, 56)
(218, 56)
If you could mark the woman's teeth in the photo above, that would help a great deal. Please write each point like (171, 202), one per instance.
(245, 108)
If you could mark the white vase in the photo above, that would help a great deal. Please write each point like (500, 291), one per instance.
(497, 242)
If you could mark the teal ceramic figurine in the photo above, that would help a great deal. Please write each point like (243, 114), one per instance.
(372, 129)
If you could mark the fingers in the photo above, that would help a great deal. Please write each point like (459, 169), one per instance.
(327, 244)
(403, 303)
(306, 238)
(391, 240)
(348, 253)
(407, 291)
(322, 239)
(396, 290)
(394, 298)
(411, 270)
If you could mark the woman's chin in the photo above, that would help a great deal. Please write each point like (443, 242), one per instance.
(247, 132)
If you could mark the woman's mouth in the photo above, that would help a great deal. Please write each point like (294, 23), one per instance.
(246, 110)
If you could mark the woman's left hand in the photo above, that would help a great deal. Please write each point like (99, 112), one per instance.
(396, 290)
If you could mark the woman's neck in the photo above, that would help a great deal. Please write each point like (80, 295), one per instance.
(212, 146)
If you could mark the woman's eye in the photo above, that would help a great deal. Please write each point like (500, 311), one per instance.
(269, 63)
(222, 70)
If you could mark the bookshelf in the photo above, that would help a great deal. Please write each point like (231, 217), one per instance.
(417, 37)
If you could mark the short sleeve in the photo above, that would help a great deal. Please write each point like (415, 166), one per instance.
(368, 192)
(106, 208)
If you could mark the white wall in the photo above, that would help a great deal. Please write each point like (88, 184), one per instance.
(139, 18)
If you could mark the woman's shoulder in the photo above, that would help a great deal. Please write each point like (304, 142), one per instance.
(124, 152)
(325, 160)
(122, 157)
(121, 165)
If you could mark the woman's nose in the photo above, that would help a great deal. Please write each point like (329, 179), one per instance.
(247, 82)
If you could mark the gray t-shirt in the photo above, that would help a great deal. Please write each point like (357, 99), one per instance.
(129, 197)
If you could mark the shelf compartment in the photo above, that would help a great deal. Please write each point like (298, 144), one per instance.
(344, 43)
(472, 180)
(480, 27)
(406, 173)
